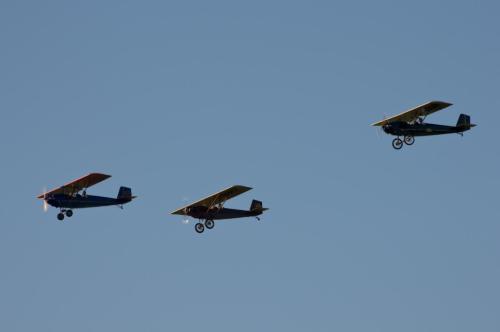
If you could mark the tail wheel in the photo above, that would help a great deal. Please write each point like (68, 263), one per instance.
(409, 140)
(209, 224)
(60, 216)
(69, 213)
(199, 228)
(397, 143)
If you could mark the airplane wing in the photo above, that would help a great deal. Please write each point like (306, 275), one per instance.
(414, 113)
(216, 198)
(78, 184)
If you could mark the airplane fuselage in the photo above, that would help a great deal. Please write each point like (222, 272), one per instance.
(421, 129)
(204, 213)
(80, 202)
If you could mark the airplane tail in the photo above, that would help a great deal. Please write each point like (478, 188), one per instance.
(464, 122)
(257, 206)
(125, 193)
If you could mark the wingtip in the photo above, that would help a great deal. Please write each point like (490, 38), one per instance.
(100, 174)
(443, 103)
(242, 187)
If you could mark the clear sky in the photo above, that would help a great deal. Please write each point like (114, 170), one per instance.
(179, 99)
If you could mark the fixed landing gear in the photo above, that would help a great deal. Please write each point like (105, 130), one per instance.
(397, 143)
(68, 213)
(199, 228)
(209, 224)
(409, 140)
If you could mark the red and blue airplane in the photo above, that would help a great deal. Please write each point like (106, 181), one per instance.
(68, 197)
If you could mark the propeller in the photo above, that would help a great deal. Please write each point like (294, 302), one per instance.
(185, 219)
(381, 128)
(45, 204)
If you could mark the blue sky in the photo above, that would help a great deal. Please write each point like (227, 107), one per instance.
(181, 99)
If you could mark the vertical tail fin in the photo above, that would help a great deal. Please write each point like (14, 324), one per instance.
(125, 193)
(463, 121)
(256, 206)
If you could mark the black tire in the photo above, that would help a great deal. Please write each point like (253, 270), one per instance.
(60, 216)
(209, 224)
(397, 143)
(199, 228)
(69, 213)
(409, 140)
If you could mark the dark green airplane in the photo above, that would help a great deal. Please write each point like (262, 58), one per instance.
(411, 123)
(212, 208)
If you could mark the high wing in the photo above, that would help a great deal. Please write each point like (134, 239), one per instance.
(77, 185)
(414, 113)
(216, 198)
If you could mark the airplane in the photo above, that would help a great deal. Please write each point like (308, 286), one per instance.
(411, 123)
(212, 208)
(68, 197)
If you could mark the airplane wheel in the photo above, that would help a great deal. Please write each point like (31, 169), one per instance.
(60, 216)
(69, 213)
(409, 140)
(397, 143)
(209, 224)
(199, 228)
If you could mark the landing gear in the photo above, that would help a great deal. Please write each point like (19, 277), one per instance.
(397, 143)
(199, 228)
(63, 213)
(409, 140)
(209, 224)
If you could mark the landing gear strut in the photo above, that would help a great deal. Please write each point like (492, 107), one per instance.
(397, 143)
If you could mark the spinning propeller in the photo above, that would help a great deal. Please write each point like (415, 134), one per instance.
(45, 204)
(381, 128)
(185, 219)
